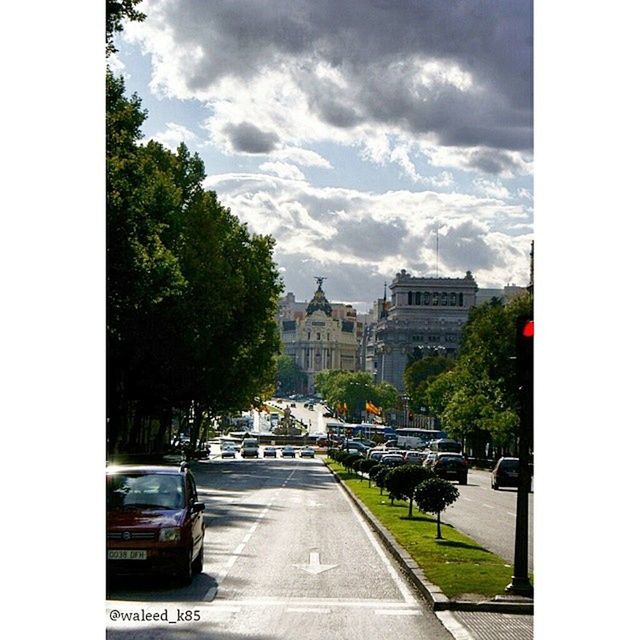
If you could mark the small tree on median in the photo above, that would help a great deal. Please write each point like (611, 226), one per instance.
(402, 481)
(435, 495)
(366, 466)
(380, 477)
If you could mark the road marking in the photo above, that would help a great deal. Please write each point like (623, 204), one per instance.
(488, 506)
(511, 514)
(238, 550)
(397, 612)
(332, 603)
(314, 567)
(247, 537)
(467, 499)
(404, 590)
(307, 610)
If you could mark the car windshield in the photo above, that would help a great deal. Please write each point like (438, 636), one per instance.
(509, 465)
(158, 491)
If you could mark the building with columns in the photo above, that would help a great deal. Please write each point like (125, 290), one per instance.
(319, 338)
(425, 315)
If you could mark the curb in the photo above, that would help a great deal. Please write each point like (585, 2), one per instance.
(431, 592)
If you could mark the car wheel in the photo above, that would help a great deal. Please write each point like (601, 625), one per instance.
(463, 480)
(494, 485)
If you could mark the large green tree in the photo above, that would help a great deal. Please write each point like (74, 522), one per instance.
(191, 293)
(477, 400)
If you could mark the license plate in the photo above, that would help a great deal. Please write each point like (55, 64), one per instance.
(126, 554)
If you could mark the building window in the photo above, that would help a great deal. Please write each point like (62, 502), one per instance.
(427, 297)
(443, 299)
(317, 336)
(418, 297)
(434, 299)
(460, 300)
(308, 335)
(452, 299)
(410, 297)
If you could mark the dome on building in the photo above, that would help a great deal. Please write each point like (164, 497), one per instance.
(319, 301)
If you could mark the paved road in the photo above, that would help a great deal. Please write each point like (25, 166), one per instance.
(286, 556)
(489, 516)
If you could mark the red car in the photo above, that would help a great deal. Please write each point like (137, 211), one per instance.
(155, 522)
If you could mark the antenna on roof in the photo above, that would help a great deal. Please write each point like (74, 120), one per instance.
(437, 252)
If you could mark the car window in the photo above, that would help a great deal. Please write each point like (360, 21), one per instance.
(192, 488)
(509, 465)
(160, 490)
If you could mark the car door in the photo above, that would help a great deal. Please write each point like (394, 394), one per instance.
(197, 518)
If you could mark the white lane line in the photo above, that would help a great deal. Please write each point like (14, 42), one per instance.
(319, 603)
(238, 550)
(397, 612)
(247, 537)
(467, 499)
(307, 610)
(488, 506)
(511, 514)
(404, 590)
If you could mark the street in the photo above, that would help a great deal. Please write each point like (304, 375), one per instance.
(489, 516)
(286, 556)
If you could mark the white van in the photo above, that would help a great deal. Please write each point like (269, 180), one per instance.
(249, 448)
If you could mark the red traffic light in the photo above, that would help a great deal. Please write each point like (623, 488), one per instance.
(527, 329)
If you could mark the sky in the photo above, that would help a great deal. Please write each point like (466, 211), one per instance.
(364, 136)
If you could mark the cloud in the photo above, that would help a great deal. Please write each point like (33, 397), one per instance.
(452, 78)
(247, 138)
(283, 170)
(348, 233)
(173, 135)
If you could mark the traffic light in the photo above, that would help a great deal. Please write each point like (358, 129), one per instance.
(524, 351)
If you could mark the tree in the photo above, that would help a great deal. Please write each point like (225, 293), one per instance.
(117, 11)
(354, 389)
(434, 496)
(366, 465)
(418, 375)
(402, 482)
(380, 477)
(289, 375)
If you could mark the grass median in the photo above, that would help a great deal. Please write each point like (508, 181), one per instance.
(457, 564)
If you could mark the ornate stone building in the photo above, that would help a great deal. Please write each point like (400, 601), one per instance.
(318, 341)
(425, 315)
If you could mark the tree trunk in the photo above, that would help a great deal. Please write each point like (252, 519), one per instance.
(165, 424)
(439, 534)
(411, 506)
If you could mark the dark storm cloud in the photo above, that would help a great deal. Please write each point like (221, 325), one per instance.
(377, 46)
(247, 138)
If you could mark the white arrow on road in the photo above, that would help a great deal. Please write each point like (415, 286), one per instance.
(314, 567)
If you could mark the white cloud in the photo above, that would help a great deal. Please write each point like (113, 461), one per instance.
(173, 135)
(283, 170)
(492, 188)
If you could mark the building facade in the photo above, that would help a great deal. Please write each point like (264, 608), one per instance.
(425, 315)
(320, 338)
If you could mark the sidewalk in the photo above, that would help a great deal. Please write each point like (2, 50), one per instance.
(504, 618)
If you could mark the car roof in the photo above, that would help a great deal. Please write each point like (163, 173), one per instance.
(449, 453)
(138, 468)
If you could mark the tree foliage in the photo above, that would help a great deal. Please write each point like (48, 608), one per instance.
(401, 482)
(191, 294)
(434, 496)
(477, 400)
(354, 389)
(289, 374)
(418, 376)
(116, 12)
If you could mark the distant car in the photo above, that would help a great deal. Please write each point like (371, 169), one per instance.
(392, 459)
(429, 459)
(450, 466)
(293, 404)
(155, 523)
(506, 473)
(414, 457)
(356, 444)
(228, 452)
(391, 443)
(269, 452)
(307, 452)
(376, 454)
(288, 452)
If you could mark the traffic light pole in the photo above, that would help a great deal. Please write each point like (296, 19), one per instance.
(520, 584)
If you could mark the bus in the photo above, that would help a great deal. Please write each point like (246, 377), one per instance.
(368, 430)
(417, 438)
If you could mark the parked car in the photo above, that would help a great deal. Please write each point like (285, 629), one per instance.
(506, 473)
(357, 444)
(429, 459)
(249, 448)
(288, 452)
(414, 457)
(228, 452)
(307, 452)
(154, 521)
(270, 452)
(451, 466)
(392, 459)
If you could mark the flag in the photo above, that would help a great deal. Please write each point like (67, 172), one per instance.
(371, 408)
